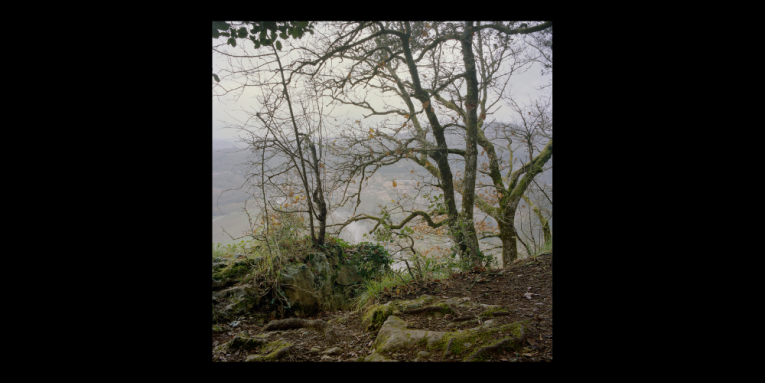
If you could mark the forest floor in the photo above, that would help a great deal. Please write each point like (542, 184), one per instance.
(524, 288)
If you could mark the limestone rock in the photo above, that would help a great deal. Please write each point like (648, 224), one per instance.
(394, 335)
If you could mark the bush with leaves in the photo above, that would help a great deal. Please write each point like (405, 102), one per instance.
(371, 260)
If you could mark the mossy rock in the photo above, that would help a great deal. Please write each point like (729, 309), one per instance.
(272, 351)
(375, 315)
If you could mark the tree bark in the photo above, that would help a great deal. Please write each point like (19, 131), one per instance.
(508, 236)
(471, 148)
(318, 195)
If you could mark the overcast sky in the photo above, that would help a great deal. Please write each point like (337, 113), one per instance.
(523, 87)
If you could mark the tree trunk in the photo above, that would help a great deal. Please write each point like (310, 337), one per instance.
(441, 155)
(471, 149)
(508, 236)
(304, 176)
(318, 195)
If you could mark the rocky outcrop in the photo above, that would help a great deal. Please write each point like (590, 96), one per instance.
(321, 283)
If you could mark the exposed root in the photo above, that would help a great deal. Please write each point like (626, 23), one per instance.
(281, 353)
(289, 323)
(424, 309)
(483, 350)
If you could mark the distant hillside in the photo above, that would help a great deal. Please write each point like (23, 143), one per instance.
(228, 173)
(221, 144)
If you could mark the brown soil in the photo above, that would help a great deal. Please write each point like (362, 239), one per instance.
(504, 287)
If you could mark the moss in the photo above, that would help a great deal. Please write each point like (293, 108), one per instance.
(477, 339)
(272, 349)
(490, 312)
(376, 315)
(445, 309)
(274, 346)
(231, 271)
(242, 342)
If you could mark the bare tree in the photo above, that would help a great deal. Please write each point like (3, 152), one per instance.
(287, 132)
(409, 61)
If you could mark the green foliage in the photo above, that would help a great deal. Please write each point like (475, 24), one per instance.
(340, 245)
(436, 203)
(486, 260)
(340, 242)
(372, 289)
(371, 260)
(383, 231)
(228, 251)
(427, 269)
(546, 248)
(261, 32)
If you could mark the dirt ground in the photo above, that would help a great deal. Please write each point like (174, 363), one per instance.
(524, 288)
